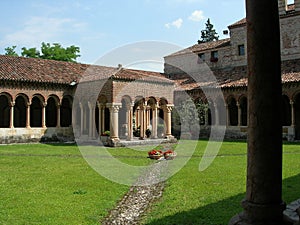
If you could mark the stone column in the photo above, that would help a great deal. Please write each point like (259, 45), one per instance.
(137, 117)
(129, 119)
(114, 120)
(263, 203)
(28, 116)
(239, 114)
(217, 122)
(154, 120)
(292, 114)
(168, 122)
(44, 115)
(142, 117)
(100, 118)
(227, 115)
(103, 118)
(91, 121)
(58, 116)
(11, 121)
(81, 118)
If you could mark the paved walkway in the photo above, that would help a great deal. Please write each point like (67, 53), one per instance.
(140, 197)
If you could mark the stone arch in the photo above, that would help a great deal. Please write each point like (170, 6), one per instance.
(51, 111)
(286, 111)
(5, 105)
(20, 110)
(233, 111)
(244, 110)
(66, 111)
(36, 111)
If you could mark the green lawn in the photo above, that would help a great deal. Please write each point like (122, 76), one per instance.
(213, 196)
(53, 184)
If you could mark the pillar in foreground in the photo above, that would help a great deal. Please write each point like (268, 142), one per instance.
(263, 204)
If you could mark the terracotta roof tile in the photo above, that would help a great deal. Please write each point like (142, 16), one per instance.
(51, 71)
(203, 47)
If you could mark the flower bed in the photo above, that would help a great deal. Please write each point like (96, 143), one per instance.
(158, 154)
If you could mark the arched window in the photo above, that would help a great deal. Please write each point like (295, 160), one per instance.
(20, 112)
(233, 112)
(51, 113)
(286, 111)
(244, 111)
(65, 113)
(4, 112)
(36, 112)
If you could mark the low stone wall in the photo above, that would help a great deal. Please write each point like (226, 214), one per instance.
(29, 135)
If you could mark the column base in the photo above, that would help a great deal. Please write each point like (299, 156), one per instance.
(257, 214)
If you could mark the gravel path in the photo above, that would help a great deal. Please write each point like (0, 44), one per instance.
(140, 196)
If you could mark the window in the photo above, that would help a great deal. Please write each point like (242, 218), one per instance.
(241, 49)
(214, 56)
(201, 57)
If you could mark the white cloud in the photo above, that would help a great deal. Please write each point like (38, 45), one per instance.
(42, 29)
(197, 16)
(177, 23)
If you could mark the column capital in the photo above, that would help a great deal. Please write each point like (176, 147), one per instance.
(169, 107)
(114, 107)
(291, 102)
(12, 103)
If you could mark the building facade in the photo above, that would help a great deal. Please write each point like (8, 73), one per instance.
(227, 60)
(46, 100)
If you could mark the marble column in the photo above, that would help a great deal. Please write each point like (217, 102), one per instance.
(28, 115)
(154, 120)
(91, 121)
(227, 115)
(239, 114)
(130, 122)
(81, 119)
(114, 120)
(168, 121)
(58, 116)
(44, 114)
(11, 121)
(263, 201)
(292, 114)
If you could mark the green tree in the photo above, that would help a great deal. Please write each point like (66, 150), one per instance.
(57, 52)
(48, 51)
(208, 34)
(30, 53)
(11, 51)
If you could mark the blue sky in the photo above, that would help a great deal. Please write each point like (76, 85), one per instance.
(99, 26)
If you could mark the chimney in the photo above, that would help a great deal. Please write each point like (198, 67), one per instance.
(297, 5)
(282, 6)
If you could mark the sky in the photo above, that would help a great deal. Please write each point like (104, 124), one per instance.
(99, 27)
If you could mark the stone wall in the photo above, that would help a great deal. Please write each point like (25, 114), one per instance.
(31, 135)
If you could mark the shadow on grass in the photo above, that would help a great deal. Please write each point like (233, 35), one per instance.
(219, 213)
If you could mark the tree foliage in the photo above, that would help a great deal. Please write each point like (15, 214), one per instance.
(11, 51)
(208, 34)
(48, 51)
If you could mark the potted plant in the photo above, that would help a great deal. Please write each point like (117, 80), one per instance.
(148, 133)
(104, 137)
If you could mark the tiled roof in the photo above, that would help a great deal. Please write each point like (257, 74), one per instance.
(203, 47)
(50, 71)
(142, 75)
(237, 77)
(238, 23)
